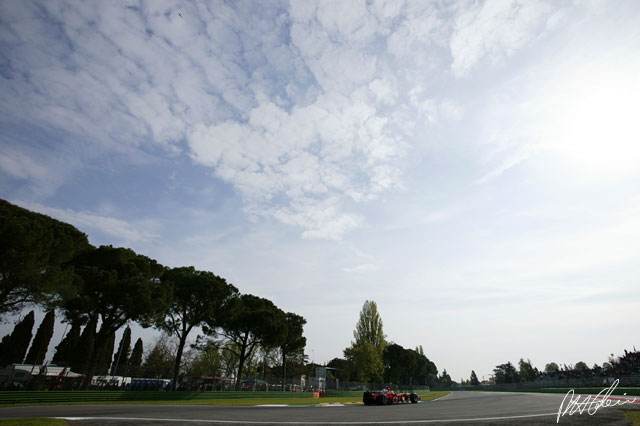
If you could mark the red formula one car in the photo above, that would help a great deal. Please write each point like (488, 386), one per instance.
(387, 397)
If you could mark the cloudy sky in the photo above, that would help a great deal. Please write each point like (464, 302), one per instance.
(471, 166)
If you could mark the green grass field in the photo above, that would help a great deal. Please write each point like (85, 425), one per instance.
(25, 398)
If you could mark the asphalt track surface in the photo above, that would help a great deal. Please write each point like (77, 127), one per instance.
(461, 408)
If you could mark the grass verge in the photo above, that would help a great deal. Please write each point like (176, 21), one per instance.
(430, 396)
(33, 422)
(633, 416)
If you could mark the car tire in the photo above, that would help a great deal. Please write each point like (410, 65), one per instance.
(382, 400)
(367, 398)
(413, 398)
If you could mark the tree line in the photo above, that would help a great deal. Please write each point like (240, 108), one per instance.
(99, 290)
(627, 364)
(525, 372)
(370, 358)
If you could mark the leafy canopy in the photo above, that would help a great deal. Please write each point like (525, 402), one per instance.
(118, 285)
(250, 321)
(293, 341)
(365, 354)
(36, 250)
(369, 327)
(198, 297)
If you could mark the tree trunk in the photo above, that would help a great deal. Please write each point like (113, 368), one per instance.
(101, 340)
(284, 370)
(241, 360)
(176, 366)
(91, 368)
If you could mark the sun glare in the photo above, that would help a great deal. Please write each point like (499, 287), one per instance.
(593, 122)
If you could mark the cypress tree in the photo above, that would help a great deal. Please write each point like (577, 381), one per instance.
(40, 344)
(121, 357)
(103, 360)
(81, 354)
(135, 361)
(20, 339)
(5, 345)
(67, 346)
(474, 379)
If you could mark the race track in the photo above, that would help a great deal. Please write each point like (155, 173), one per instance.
(457, 408)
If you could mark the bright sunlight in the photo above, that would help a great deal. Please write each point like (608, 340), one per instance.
(592, 121)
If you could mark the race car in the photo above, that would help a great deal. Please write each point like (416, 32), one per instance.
(387, 397)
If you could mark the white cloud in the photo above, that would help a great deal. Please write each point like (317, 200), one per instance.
(20, 166)
(435, 111)
(421, 29)
(383, 91)
(507, 164)
(365, 267)
(495, 29)
(300, 108)
(132, 79)
(301, 167)
(139, 79)
(121, 230)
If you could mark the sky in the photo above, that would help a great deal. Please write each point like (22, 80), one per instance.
(470, 166)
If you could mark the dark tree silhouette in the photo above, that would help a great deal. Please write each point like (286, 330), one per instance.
(116, 285)
(68, 344)
(407, 366)
(80, 355)
(293, 342)
(121, 357)
(40, 344)
(18, 341)
(135, 360)
(35, 251)
(198, 297)
(250, 321)
(474, 379)
(505, 373)
(103, 359)
(5, 345)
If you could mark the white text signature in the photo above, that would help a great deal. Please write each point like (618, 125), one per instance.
(590, 403)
